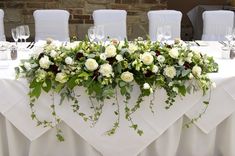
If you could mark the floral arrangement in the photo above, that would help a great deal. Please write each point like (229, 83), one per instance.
(101, 68)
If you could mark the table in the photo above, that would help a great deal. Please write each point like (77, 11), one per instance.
(212, 135)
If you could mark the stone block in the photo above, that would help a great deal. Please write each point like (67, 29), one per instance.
(13, 15)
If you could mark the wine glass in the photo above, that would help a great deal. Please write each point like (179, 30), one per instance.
(229, 35)
(15, 35)
(20, 31)
(159, 34)
(92, 33)
(26, 32)
(167, 32)
(100, 33)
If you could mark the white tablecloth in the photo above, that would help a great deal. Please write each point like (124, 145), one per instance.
(212, 135)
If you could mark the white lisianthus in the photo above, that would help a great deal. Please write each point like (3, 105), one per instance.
(45, 62)
(155, 69)
(175, 89)
(146, 58)
(146, 86)
(190, 76)
(119, 58)
(127, 76)
(61, 77)
(132, 48)
(110, 51)
(91, 64)
(181, 62)
(197, 70)
(161, 58)
(174, 53)
(103, 56)
(27, 66)
(53, 53)
(68, 60)
(170, 72)
(106, 70)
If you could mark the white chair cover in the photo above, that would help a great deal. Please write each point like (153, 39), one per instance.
(2, 34)
(114, 22)
(51, 24)
(216, 23)
(162, 18)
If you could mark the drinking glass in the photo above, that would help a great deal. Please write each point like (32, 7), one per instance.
(26, 32)
(159, 34)
(229, 35)
(15, 35)
(100, 33)
(167, 32)
(20, 31)
(92, 33)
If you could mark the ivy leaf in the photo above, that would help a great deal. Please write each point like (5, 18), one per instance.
(72, 82)
(47, 88)
(185, 72)
(182, 90)
(121, 84)
(140, 132)
(36, 91)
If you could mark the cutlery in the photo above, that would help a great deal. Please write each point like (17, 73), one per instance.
(33, 43)
(196, 43)
(29, 44)
(223, 43)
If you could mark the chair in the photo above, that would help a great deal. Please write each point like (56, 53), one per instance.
(161, 18)
(216, 23)
(2, 34)
(51, 24)
(113, 21)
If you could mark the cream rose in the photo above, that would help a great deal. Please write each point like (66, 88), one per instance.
(103, 56)
(170, 72)
(53, 53)
(110, 51)
(91, 64)
(61, 77)
(174, 53)
(45, 62)
(196, 70)
(68, 60)
(155, 69)
(127, 76)
(146, 58)
(106, 70)
(132, 48)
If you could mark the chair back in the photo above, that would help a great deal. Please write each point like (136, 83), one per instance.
(2, 32)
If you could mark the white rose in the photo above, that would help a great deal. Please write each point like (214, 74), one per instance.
(27, 66)
(196, 70)
(103, 56)
(68, 60)
(146, 86)
(170, 72)
(155, 69)
(146, 58)
(174, 53)
(53, 53)
(127, 76)
(132, 48)
(44, 62)
(110, 51)
(119, 58)
(161, 58)
(61, 77)
(91, 64)
(106, 70)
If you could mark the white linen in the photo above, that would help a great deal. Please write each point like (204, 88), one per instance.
(113, 21)
(163, 127)
(216, 23)
(162, 18)
(51, 24)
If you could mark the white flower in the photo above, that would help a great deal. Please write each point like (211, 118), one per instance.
(174, 53)
(196, 70)
(190, 54)
(146, 58)
(110, 51)
(155, 69)
(146, 86)
(91, 64)
(190, 76)
(103, 56)
(161, 58)
(120, 45)
(175, 89)
(68, 60)
(41, 75)
(44, 62)
(181, 62)
(61, 77)
(170, 72)
(132, 48)
(106, 70)
(119, 58)
(27, 66)
(127, 76)
(53, 53)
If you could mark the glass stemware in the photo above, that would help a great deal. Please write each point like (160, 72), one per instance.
(229, 35)
(92, 33)
(100, 33)
(167, 32)
(26, 32)
(15, 35)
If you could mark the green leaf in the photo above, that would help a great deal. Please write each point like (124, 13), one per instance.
(121, 84)
(182, 90)
(206, 102)
(47, 88)
(123, 91)
(36, 91)
(59, 87)
(72, 82)
(185, 72)
(140, 132)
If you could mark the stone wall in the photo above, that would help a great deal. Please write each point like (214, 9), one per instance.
(19, 12)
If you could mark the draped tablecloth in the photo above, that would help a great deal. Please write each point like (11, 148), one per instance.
(163, 134)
